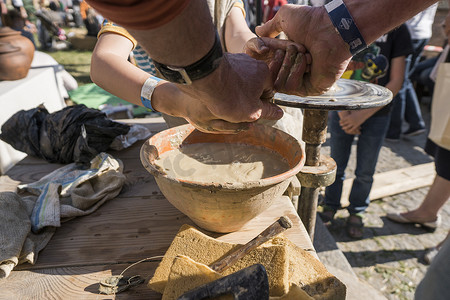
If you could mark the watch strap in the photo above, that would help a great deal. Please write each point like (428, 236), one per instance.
(202, 68)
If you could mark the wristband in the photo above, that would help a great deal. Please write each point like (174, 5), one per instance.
(202, 68)
(345, 25)
(147, 90)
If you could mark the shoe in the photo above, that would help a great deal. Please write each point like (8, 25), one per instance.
(414, 132)
(430, 255)
(327, 216)
(397, 217)
(355, 226)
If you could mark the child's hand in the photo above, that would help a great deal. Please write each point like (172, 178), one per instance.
(351, 121)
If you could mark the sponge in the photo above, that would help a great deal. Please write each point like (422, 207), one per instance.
(194, 244)
(206, 250)
(185, 275)
(295, 293)
(309, 273)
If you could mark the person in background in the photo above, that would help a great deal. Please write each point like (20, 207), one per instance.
(406, 105)
(427, 214)
(15, 20)
(435, 285)
(271, 9)
(383, 63)
(111, 70)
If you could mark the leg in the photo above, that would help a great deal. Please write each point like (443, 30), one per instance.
(341, 144)
(427, 213)
(369, 144)
(437, 196)
(413, 114)
(396, 115)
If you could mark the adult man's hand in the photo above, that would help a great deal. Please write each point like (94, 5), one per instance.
(238, 91)
(284, 58)
(311, 27)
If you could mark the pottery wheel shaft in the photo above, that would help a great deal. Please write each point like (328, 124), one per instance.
(319, 170)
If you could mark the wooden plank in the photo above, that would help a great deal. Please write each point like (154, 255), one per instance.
(32, 172)
(75, 283)
(128, 229)
(395, 182)
(82, 281)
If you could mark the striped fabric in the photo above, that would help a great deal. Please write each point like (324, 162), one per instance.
(143, 61)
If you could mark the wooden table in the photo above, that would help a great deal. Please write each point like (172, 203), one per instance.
(139, 223)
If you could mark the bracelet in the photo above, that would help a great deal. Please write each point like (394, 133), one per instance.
(147, 90)
(345, 25)
(202, 68)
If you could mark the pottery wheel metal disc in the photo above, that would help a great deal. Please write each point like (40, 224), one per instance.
(346, 94)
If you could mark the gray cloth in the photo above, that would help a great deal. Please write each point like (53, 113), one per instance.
(436, 283)
(28, 223)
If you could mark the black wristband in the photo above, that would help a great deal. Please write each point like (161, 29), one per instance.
(202, 68)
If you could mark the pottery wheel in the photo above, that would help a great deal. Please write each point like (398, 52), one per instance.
(346, 94)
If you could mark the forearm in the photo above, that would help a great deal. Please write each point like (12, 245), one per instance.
(182, 41)
(237, 33)
(396, 75)
(374, 18)
(394, 86)
(124, 80)
(118, 76)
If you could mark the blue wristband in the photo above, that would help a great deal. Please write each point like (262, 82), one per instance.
(345, 25)
(147, 91)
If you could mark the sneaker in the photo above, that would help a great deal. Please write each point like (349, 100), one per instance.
(414, 132)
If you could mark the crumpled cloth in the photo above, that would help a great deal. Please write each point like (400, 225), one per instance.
(73, 134)
(28, 223)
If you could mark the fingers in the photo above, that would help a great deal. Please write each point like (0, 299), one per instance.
(276, 63)
(270, 29)
(295, 78)
(273, 43)
(270, 111)
(256, 47)
(224, 127)
(289, 60)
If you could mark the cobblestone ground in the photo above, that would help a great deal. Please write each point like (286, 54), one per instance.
(390, 255)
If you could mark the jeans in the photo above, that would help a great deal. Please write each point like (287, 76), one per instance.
(405, 103)
(369, 144)
(422, 73)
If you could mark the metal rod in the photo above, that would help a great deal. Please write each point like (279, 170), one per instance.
(314, 135)
(308, 208)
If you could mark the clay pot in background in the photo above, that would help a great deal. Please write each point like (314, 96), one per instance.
(16, 54)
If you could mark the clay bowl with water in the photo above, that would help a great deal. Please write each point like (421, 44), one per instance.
(222, 207)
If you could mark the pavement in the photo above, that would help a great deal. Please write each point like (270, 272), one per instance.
(389, 257)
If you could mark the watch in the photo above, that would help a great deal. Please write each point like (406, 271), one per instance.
(202, 68)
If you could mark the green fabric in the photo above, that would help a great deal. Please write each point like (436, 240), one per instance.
(93, 96)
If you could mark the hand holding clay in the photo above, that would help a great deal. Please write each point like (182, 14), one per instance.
(237, 91)
(285, 59)
(311, 27)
